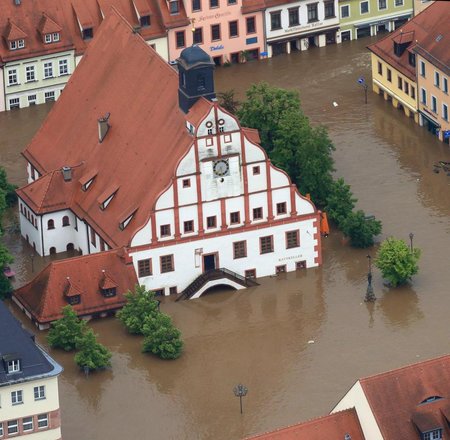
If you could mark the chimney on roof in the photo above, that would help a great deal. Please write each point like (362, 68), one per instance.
(103, 127)
(67, 174)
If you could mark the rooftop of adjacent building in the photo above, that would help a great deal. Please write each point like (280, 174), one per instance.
(100, 282)
(21, 359)
(423, 29)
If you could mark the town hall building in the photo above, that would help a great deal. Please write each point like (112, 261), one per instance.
(137, 156)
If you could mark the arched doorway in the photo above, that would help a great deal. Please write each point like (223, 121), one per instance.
(52, 250)
(70, 247)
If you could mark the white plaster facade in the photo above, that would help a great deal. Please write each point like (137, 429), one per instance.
(291, 33)
(355, 398)
(198, 192)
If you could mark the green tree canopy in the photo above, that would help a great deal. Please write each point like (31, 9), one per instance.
(339, 202)
(361, 229)
(264, 108)
(140, 304)
(396, 261)
(8, 188)
(5, 259)
(162, 338)
(65, 332)
(92, 354)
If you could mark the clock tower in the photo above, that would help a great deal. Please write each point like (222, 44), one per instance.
(196, 77)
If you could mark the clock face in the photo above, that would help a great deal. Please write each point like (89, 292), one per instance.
(221, 168)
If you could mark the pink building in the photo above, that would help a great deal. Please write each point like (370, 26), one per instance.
(228, 30)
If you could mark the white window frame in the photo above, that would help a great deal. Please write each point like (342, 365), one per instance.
(349, 13)
(437, 79)
(445, 85)
(47, 38)
(14, 103)
(444, 111)
(40, 419)
(423, 94)
(434, 104)
(55, 37)
(48, 68)
(33, 70)
(12, 424)
(32, 99)
(13, 45)
(13, 74)
(39, 392)
(383, 9)
(63, 63)
(20, 44)
(368, 7)
(29, 424)
(14, 366)
(400, 4)
(423, 69)
(16, 397)
(48, 96)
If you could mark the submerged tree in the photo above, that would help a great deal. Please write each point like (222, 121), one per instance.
(397, 261)
(92, 355)
(162, 338)
(65, 332)
(339, 202)
(360, 229)
(140, 304)
(228, 101)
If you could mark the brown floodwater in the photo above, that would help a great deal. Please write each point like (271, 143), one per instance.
(262, 336)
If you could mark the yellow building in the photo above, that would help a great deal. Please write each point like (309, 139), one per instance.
(410, 67)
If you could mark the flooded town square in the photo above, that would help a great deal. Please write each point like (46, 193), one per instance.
(299, 340)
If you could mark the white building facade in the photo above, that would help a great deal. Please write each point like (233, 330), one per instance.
(227, 207)
(301, 25)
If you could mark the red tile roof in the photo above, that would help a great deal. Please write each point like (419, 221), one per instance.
(45, 295)
(421, 26)
(24, 21)
(249, 6)
(122, 75)
(397, 398)
(435, 46)
(331, 427)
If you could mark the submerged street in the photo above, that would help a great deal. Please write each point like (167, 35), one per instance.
(300, 340)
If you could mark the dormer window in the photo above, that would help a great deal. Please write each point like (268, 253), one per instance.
(145, 21)
(73, 300)
(108, 293)
(435, 434)
(51, 38)
(87, 33)
(174, 7)
(55, 37)
(124, 224)
(48, 38)
(105, 204)
(13, 366)
(412, 59)
(17, 44)
(86, 186)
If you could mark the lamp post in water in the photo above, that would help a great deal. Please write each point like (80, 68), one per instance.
(362, 83)
(411, 236)
(370, 296)
(240, 391)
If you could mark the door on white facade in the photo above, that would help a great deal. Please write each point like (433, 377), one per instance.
(209, 262)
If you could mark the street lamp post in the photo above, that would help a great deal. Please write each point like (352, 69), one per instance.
(240, 391)
(411, 236)
(370, 296)
(362, 83)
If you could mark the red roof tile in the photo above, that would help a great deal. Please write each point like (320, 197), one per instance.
(45, 295)
(141, 149)
(254, 5)
(331, 427)
(421, 26)
(397, 398)
(143, 7)
(13, 32)
(48, 26)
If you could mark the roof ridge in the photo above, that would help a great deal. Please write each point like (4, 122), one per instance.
(80, 257)
(406, 367)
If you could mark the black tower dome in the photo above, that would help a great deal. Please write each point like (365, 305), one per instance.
(196, 77)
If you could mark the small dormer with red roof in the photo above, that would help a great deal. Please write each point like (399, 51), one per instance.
(14, 36)
(49, 30)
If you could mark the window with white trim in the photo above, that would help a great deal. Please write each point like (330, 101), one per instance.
(345, 11)
(63, 67)
(437, 79)
(16, 44)
(13, 366)
(14, 103)
(445, 85)
(422, 68)
(445, 112)
(49, 96)
(423, 96)
(398, 2)
(13, 77)
(55, 37)
(364, 7)
(16, 397)
(13, 427)
(27, 424)
(48, 70)
(30, 73)
(433, 104)
(42, 421)
(48, 38)
(39, 392)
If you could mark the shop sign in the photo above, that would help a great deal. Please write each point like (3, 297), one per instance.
(218, 47)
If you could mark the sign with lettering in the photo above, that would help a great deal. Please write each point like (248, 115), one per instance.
(218, 47)
(303, 28)
(213, 16)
